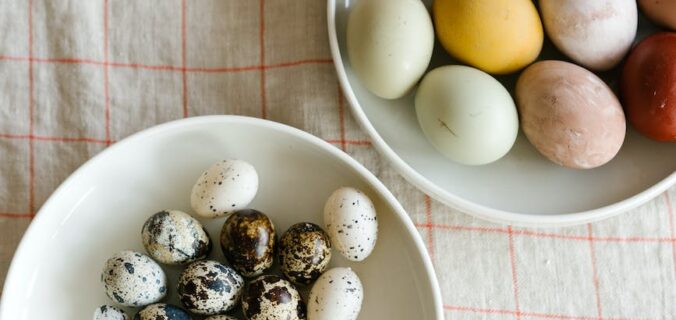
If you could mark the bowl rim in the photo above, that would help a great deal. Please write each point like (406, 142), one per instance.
(40, 220)
(459, 203)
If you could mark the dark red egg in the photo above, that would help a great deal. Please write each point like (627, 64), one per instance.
(648, 87)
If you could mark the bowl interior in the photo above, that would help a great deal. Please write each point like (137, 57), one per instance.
(523, 181)
(101, 208)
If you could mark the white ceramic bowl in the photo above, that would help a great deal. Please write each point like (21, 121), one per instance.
(523, 188)
(100, 209)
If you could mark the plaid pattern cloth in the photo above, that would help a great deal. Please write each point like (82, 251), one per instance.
(78, 75)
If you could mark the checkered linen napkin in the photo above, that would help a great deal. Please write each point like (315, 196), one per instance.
(78, 75)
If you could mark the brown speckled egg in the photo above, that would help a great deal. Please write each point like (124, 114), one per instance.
(304, 252)
(248, 242)
(569, 114)
(208, 287)
(174, 237)
(272, 298)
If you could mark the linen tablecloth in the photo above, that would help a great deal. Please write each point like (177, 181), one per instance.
(76, 76)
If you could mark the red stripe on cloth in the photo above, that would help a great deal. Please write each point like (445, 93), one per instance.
(184, 51)
(515, 280)
(341, 119)
(47, 138)
(31, 107)
(428, 220)
(261, 39)
(595, 275)
(350, 142)
(670, 210)
(16, 215)
(106, 75)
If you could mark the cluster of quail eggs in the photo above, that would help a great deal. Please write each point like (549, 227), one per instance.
(210, 290)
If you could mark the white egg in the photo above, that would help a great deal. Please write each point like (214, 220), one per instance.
(596, 34)
(132, 279)
(389, 44)
(466, 114)
(225, 187)
(351, 222)
(337, 295)
(107, 312)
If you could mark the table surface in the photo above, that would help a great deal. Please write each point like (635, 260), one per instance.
(79, 75)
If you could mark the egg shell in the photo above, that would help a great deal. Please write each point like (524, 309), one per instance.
(648, 86)
(569, 114)
(207, 287)
(220, 317)
(389, 44)
(466, 114)
(133, 279)
(337, 295)
(596, 34)
(661, 12)
(108, 312)
(496, 36)
(174, 237)
(162, 311)
(272, 298)
(225, 187)
(248, 242)
(304, 252)
(351, 222)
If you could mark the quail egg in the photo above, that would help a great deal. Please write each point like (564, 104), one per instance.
(225, 187)
(272, 298)
(174, 237)
(108, 312)
(208, 287)
(133, 279)
(337, 295)
(304, 252)
(221, 317)
(248, 242)
(351, 222)
(162, 311)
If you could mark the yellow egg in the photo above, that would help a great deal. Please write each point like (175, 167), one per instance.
(496, 36)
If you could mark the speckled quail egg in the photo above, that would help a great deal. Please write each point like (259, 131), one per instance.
(108, 312)
(272, 298)
(350, 219)
(133, 279)
(162, 311)
(220, 317)
(174, 237)
(225, 187)
(208, 287)
(304, 252)
(337, 295)
(248, 242)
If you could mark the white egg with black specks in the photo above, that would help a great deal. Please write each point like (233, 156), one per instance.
(175, 237)
(108, 312)
(351, 222)
(221, 317)
(162, 311)
(227, 186)
(337, 295)
(208, 287)
(272, 298)
(132, 279)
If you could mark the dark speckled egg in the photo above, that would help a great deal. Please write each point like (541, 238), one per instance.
(304, 252)
(174, 237)
(272, 298)
(248, 242)
(221, 317)
(162, 311)
(208, 287)
(133, 279)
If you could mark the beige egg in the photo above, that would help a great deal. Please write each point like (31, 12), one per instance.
(569, 114)
(662, 12)
(596, 34)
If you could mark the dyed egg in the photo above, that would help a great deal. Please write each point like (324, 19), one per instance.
(496, 36)
(389, 44)
(133, 279)
(208, 287)
(227, 186)
(596, 34)
(337, 295)
(106, 312)
(466, 114)
(351, 222)
(272, 298)
(248, 242)
(569, 114)
(162, 311)
(661, 12)
(174, 237)
(220, 317)
(304, 252)
(649, 86)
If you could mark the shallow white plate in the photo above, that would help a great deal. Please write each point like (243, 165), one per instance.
(523, 188)
(100, 210)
